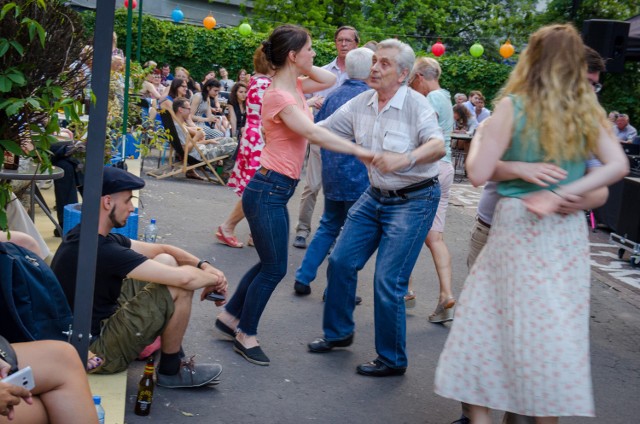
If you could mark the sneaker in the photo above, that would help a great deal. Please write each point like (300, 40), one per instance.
(410, 300)
(191, 375)
(301, 289)
(300, 242)
(443, 312)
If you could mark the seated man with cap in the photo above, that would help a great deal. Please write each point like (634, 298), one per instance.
(142, 291)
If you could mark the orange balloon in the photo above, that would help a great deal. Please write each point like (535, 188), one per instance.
(209, 22)
(507, 50)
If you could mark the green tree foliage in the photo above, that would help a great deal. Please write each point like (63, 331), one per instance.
(462, 74)
(419, 23)
(562, 11)
(621, 91)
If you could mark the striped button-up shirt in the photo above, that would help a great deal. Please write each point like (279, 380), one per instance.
(405, 123)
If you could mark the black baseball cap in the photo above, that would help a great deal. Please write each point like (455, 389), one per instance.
(115, 180)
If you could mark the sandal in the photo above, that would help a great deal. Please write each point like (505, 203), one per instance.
(250, 241)
(444, 311)
(410, 300)
(94, 362)
(230, 241)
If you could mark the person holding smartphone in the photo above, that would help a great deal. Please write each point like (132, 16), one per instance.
(61, 393)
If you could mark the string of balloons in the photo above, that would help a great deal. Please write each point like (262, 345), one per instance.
(438, 49)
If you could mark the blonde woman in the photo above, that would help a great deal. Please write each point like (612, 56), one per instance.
(520, 340)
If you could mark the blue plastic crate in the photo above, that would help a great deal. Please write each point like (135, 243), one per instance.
(130, 148)
(73, 213)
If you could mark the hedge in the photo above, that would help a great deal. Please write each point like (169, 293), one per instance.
(199, 50)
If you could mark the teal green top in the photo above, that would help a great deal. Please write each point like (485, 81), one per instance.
(531, 151)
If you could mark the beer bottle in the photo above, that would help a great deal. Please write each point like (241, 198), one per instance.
(145, 390)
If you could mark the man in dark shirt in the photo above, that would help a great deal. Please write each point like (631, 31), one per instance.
(142, 290)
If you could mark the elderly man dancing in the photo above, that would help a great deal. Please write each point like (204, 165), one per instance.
(393, 215)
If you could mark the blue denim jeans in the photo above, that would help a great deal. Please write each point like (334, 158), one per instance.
(333, 218)
(264, 203)
(396, 227)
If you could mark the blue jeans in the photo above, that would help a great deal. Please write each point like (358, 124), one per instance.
(264, 203)
(396, 227)
(333, 218)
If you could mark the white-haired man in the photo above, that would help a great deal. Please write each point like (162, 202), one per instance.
(344, 177)
(346, 39)
(393, 215)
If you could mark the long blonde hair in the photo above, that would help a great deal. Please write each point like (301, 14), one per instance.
(561, 107)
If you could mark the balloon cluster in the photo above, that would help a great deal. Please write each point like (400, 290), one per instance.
(476, 50)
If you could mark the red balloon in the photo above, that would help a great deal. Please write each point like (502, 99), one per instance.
(133, 5)
(438, 49)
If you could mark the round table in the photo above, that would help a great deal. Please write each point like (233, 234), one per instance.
(33, 174)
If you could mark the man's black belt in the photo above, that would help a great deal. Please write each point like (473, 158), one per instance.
(408, 189)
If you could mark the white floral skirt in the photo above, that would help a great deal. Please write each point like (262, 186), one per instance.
(520, 339)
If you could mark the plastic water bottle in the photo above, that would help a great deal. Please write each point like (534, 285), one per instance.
(97, 401)
(151, 232)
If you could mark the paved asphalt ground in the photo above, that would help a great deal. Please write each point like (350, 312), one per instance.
(300, 387)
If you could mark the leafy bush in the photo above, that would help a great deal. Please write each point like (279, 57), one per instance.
(462, 74)
(39, 42)
(197, 49)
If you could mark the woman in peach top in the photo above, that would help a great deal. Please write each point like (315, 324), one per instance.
(288, 124)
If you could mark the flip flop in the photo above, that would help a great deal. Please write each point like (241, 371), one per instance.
(94, 363)
(230, 241)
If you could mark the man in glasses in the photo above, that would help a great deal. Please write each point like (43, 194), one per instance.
(346, 39)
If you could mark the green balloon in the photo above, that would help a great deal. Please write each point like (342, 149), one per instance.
(476, 50)
(244, 29)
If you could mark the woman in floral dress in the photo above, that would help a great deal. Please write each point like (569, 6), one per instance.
(249, 149)
(520, 340)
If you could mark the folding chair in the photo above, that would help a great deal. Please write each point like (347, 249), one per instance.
(182, 162)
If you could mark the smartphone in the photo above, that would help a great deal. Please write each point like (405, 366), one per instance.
(215, 296)
(22, 378)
